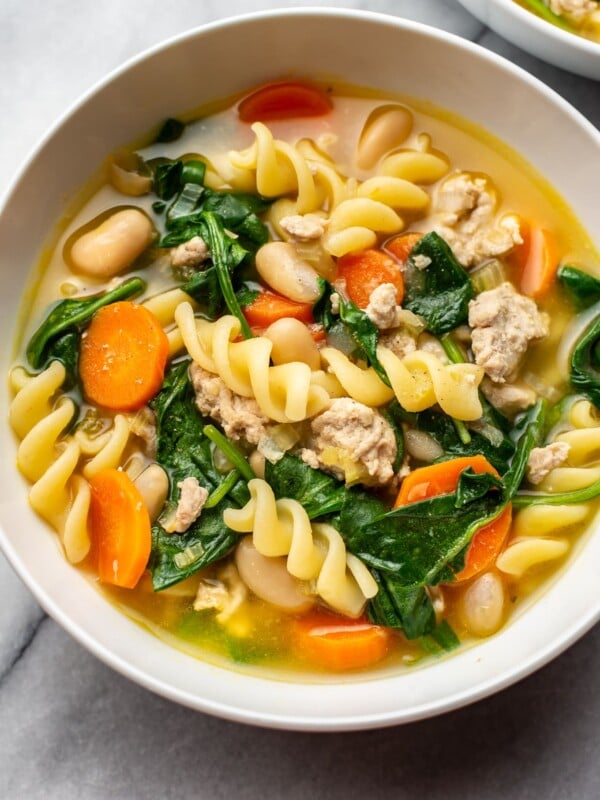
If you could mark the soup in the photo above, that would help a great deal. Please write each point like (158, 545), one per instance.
(581, 17)
(311, 382)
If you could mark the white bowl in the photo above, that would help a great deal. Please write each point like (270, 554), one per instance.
(537, 36)
(363, 49)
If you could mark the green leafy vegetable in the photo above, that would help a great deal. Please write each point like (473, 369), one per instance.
(582, 287)
(167, 178)
(542, 10)
(524, 499)
(585, 363)
(444, 636)
(361, 329)
(424, 543)
(319, 494)
(398, 606)
(57, 338)
(170, 131)
(440, 293)
(394, 416)
(527, 434)
(184, 451)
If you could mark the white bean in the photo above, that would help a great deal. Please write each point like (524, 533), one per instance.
(387, 127)
(113, 245)
(153, 485)
(269, 579)
(482, 605)
(292, 342)
(280, 266)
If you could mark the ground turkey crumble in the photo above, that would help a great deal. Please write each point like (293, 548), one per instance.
(190, 254)
(383, 308)
(542, 460)
(190, 505)
(358, 430)
(465, 208)
(577, 10)
(240, 417)
(303, 227)
(504, 323)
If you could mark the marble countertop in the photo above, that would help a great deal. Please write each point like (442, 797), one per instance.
(70, 727)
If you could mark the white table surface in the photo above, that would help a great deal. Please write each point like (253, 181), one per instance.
(70, 727)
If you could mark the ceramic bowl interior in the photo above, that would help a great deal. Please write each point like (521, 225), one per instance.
(537, 36)
(208, 64)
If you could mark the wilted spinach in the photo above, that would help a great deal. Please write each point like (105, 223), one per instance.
(585, 363)
(582, 287)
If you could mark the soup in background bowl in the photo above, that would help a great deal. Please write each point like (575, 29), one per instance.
(349, 245)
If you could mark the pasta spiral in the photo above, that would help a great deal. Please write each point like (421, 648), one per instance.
(285, 393)
(534, 538)
(48, 461)
(419, 380)
(314, 552)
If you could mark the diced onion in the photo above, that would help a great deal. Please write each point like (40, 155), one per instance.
(488, 276)
(188, 556)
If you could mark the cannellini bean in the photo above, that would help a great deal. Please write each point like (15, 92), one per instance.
(292, 342)
(257, 462)
(482, 605)
(153, 485)
(280, 266)
(387, 127)
(113, 245)
(269, 579)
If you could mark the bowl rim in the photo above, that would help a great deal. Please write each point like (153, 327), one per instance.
(354, 721)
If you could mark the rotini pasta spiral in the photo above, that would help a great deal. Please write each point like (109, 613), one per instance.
(285, 393)
(314, 552)
(47, 461)
(534, 533)
(419, 381)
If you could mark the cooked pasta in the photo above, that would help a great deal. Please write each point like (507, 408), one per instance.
(290, 422)
(314, 553)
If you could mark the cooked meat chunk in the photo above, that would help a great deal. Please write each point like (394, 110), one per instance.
(465, 207)
(504, 323)
(303, 226)
(358, 437)
(240, 417)
(542, 460)
(382, 309)
(575, 9)
(509, 398)
(190, 505)
(190, 254)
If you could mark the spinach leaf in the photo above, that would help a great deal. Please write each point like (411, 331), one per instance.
(361, 329)
(584, 495)
(582, 287)
(184, 452)
(395, 417)
(585, 363)
(170, 131)
(58, 335)
(398, 606)
(441, 428)
(317, 492)
(440, 293)
(445, 637)
(528, 432)
(424, 543)
(203, 286)
(167, 178)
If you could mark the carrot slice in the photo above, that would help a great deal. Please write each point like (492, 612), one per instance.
(443, 478)
(268, 307)
(400, 246)
(120, 528)
(365, 271)
(338, 643)
(285, 100)
(539, 261)
(123, 357)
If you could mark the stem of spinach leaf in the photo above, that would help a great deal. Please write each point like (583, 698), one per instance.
(229, 450)
(218, 253)
(524, 499)
(215, 497)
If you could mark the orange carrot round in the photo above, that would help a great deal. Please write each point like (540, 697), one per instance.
(338, 643)
(120, 528)
(443, 478)
(285, 100)
(268, 307)
(365, 271)
(400, 246)
(123, 357)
